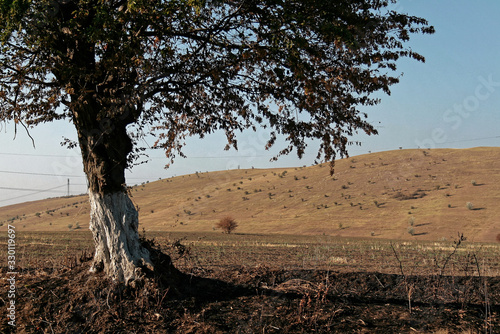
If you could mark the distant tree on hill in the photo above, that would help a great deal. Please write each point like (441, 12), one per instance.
(227, 224)
(120, 70)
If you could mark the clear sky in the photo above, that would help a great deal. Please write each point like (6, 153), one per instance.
(451, 101)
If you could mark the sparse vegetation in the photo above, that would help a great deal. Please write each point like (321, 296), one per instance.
(414, 195)
(182, 193)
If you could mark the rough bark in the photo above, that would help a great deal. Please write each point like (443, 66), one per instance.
(114, 222)
(105, 147)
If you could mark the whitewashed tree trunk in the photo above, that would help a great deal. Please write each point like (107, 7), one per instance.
(114, 225)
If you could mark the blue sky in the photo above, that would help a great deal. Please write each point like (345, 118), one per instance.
(450, 101)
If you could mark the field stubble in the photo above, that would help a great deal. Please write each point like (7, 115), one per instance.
(300, 283)
(288, 252)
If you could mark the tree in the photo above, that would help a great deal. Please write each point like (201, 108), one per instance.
(122, 69)
(227, 224)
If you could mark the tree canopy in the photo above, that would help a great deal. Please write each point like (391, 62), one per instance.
(191, 67)
(122, 69)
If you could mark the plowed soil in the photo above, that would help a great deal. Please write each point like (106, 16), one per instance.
(257, 299)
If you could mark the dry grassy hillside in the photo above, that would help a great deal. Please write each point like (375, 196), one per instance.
(379, 195)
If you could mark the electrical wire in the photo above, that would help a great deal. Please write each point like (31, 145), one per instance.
(39, 174)
(30, 194)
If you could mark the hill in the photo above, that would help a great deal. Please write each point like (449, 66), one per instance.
(379, 195)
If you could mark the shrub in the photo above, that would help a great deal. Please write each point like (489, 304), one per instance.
(411, 221)
(411, 230)
(473, 182)
(498, 237)
(415, 195)
(227, 224)
(469, 205)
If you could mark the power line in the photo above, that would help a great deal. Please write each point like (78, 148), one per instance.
(35, 155)
(39, 174)
(60, 175)
(466, 140)
(34, 193)
(151, 158)
(26, 189)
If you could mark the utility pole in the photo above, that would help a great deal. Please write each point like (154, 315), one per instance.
(68, 188)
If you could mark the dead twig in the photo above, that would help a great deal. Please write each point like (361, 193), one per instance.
(409, 287)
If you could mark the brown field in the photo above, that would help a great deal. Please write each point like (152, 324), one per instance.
(216, 250)
(302, 260)
(254, 283)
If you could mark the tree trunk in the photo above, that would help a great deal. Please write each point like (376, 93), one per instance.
(114, 224)
(105, 147)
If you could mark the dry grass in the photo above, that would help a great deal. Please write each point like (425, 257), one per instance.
(213, 250)
(431, 187)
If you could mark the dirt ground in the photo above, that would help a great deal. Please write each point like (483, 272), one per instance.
(250, 299)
